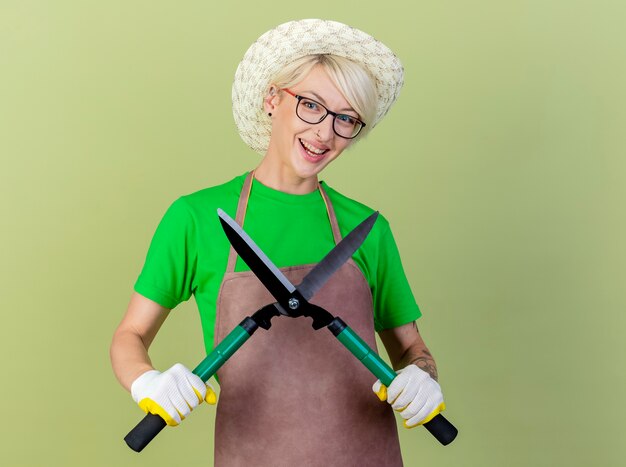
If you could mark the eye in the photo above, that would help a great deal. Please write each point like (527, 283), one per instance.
(310, 105)
(346, 119)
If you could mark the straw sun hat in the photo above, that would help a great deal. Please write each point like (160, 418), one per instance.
(289, 41)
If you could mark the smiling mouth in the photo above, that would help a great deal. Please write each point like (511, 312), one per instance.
(312, 150)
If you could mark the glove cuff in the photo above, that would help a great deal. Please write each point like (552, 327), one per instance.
(138, 388)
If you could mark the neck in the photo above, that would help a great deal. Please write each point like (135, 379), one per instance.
(282, 178)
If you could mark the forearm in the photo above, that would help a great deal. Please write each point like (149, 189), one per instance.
(405, 346)
(132, 338)
(129, 357)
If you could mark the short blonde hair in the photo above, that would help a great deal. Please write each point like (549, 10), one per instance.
(353, 80)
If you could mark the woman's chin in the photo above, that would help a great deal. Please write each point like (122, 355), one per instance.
(305, 169)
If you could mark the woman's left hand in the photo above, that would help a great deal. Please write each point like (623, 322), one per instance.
(414, 394)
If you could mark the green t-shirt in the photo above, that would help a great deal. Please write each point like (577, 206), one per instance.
(189, 251)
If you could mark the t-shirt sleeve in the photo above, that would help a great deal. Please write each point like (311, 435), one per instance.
(394, 301)
(168, 273)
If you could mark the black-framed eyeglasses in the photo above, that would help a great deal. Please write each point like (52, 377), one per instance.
(311, 111)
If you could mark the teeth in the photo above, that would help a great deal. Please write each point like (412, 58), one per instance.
(313, 149)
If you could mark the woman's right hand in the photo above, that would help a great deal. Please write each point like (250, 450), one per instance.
(172, 394)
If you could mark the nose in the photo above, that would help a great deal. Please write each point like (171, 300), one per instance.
(324, 129)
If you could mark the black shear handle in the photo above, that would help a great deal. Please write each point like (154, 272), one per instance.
(144, 432)
(442, 429)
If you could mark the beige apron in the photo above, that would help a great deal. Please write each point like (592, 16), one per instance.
(292, 396)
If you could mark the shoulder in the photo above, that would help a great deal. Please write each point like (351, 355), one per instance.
(215, 193)
(211, 198)
(196, 209)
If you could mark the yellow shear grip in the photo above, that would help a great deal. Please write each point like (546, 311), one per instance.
(440, 408)
(382, 392)
(211, 397)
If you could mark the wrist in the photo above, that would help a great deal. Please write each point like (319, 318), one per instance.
(426, 364)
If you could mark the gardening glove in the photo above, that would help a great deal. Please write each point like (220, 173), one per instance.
(171, 394)
(414, 394)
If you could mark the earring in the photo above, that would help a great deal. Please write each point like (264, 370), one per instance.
(269, 114)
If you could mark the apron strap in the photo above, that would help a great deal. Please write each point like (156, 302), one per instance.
(241, 214)
(239, 217)
(331, 215)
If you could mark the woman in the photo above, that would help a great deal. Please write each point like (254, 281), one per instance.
(303, 93)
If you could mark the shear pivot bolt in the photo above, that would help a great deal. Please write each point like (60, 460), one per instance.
(294, 303)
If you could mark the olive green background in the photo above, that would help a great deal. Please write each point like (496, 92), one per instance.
(500, 169)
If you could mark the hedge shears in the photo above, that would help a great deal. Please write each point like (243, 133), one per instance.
(293, 302)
